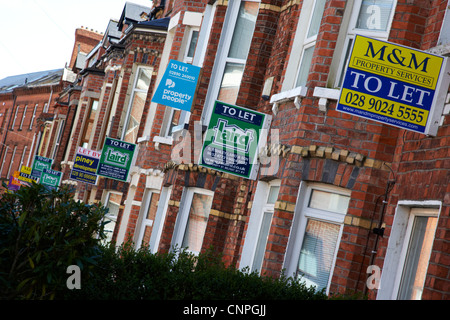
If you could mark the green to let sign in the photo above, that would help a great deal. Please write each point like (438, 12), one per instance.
(232, 140)
(39, 164)
(116, 159)
(51, 178)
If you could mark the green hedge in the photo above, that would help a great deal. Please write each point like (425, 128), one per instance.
(138, 274)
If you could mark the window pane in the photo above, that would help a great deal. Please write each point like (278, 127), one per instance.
(243, 31)
(230, 83)
(273, 194)
(317, 253)
(374, 15)
(197, 221)
(304, 66)
(134, 119)
(193, 44)
(417, 258)
(329, 201)
(316, 18)
(143, 81)
(113, 205)
(262, 241)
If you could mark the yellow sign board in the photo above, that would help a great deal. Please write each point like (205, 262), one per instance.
(394, 84)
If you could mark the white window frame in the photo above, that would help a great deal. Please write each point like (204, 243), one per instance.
(307, 42)
(351, 33)
(4, 160)
(259, 207)
(108, 216)
(58, 137)
(183, 215)
(24, 151)
(12, 161)
(15, 117)
(299, 45)
(23, 116)
(186, 58)
(133, 91)
(33, 116)
(160, 218)
(222, 58)
(143, 221)
(398, 243)
(301, 215)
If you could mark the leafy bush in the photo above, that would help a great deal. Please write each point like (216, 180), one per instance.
(125, 273)
(42, 232)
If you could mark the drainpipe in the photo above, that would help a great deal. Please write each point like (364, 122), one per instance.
(379, 231)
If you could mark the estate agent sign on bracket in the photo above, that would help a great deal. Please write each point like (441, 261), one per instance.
(116, 158)
(394, 85)
(177, 86)
(232, 140)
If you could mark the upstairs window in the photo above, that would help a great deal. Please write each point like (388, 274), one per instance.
(235, 41)
(309, 42)
(371, 18)
(131, 117)
(238, 51)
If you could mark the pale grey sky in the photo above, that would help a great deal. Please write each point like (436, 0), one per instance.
(38, 35)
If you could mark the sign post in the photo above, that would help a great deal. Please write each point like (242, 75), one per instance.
(232, 140)
(177, 86)
(85, 166)
(116, 159)
(394, 85)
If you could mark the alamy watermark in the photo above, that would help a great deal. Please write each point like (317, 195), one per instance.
(74, 280)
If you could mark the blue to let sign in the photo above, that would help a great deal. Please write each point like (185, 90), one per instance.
(177, 86)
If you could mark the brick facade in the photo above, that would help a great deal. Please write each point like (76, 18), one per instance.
(385, 172)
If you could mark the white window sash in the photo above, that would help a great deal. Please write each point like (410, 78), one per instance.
(134, 90)
(23, 116)
(160, 218)
(259, 207)
(221, 58)
(183, 215)
(301, 215)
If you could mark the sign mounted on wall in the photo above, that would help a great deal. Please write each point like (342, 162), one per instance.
(116, 159)
(85, 166)
(51, 178)
(177, 86)
(39, 164)
(395, 85)
(232, 140)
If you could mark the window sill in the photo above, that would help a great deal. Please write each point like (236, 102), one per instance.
(162, 140)
(297, 94)
(325, 94)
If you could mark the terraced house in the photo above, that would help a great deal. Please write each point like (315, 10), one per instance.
(348, 185)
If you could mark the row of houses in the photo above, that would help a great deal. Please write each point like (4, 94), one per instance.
(347, 202)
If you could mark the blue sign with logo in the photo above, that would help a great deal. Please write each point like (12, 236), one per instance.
(177, 86)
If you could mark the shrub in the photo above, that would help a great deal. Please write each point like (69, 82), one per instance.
(42, 232)
(126, 273)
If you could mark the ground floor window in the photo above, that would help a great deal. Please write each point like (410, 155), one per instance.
(147, 217)
(408, 253)
(112, 202)
(259, 225)
(316, 233)
(192, 219)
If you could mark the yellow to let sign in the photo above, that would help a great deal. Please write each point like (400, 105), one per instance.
(396, 62)
(392, 84)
